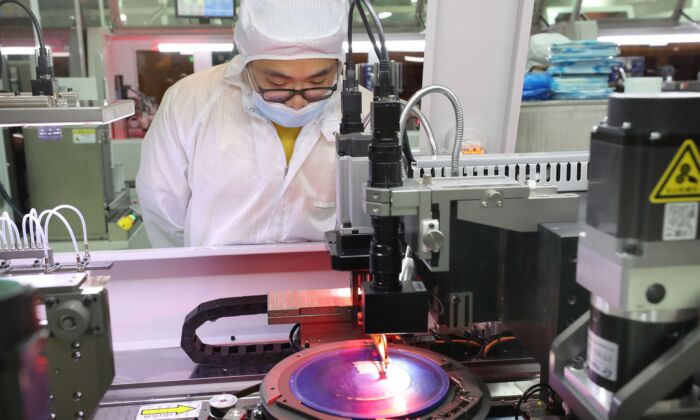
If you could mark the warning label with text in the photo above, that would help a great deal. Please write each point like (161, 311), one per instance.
(681, 179)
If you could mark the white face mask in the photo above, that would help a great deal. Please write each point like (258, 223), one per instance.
(285, 116)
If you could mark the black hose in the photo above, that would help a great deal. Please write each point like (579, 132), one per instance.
(292, 340)
(368, 29)
(5, 196)
(408, 154)
(35, 21)
(378, 26)
(352, 11)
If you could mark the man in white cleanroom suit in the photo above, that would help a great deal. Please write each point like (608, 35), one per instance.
(244, 152)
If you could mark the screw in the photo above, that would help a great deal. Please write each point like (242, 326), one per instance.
(79, 415)
(57, 371)
(431, 225)
(67, 323)
(87, 301)
(654, 136)
(499, 203)
(484, 204)
(577, 362)
(51, 301)
(77, 355)
(51, 397)
(375, 210)
(77, 395)
(626, 125)
(75, 345)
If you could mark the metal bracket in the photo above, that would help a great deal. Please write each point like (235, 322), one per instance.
(634, 399)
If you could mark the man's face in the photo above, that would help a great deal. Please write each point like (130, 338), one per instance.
(295, 74)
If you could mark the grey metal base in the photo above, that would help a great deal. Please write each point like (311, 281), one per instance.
(641, 397)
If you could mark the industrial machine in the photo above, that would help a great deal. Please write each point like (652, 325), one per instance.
(635, 352)
(460, 274)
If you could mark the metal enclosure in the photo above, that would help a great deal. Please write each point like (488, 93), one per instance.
(74, 168)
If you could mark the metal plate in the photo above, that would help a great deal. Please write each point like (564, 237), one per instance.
(90, 112)
(347, 383)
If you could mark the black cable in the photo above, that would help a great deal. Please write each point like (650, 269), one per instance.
(8, 200)
(528, 393)
(352, 11)
(378, 26)
(368, 29)
(37, 26)
(292, 340)
(408, 154)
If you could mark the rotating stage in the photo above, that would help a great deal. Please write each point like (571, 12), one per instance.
(343, 380)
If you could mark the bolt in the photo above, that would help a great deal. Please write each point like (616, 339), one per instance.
(77, 355)
(656, 293)
(455, 300)
(499, 204)
(75, 345)
(571, 300)
(578, 362)
(626, 125)
(79, 415)
(51, 397)
(77, 395)
(484, 204)
(51, 301)
(654, 136)
(87, 301)
(68, 323)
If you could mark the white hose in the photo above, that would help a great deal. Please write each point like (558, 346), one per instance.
(41, 239)
(82, 221)
(459, 117)
(30, 217)
(50, 212)
(17, 238)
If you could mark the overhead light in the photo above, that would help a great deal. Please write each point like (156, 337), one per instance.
(384, 15)
(190, 48)
(405, 45)
(30, 51)
(414, 59)
(18, 50)
(654, 40)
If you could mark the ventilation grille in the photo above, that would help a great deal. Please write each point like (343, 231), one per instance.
(568, 173)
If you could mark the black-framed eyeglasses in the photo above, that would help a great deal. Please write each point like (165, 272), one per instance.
(313, 94)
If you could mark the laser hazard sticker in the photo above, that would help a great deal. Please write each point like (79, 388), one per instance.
(177, 410)
(681, 180)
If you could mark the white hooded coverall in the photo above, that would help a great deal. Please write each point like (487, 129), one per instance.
(213, 170)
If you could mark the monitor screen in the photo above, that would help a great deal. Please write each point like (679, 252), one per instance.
(205, 8)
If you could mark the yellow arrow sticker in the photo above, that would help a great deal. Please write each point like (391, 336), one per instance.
(681, 179)
(178, 410)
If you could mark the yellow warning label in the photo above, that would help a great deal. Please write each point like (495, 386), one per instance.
(681, 180)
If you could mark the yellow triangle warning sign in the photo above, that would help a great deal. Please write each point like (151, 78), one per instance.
(681, 180)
